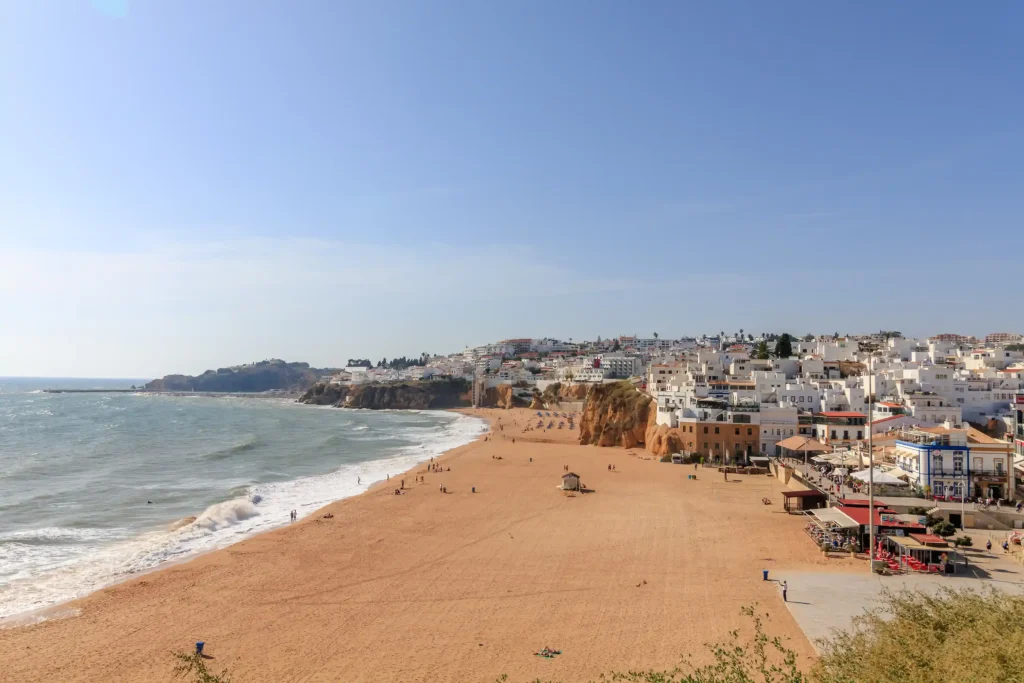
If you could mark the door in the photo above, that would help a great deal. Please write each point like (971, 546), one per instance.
(995, 491)
(954, 519)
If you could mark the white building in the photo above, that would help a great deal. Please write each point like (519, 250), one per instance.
(621, 366)
(777, 423)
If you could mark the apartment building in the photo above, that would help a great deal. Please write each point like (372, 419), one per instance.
(956, 462)
(621, 366)
(839, 428)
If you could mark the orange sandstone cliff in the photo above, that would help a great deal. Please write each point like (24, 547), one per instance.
(615, 415)
(619, 415)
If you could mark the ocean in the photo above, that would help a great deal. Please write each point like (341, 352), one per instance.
(97, 487)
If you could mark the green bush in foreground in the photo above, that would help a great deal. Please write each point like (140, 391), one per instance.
(194, 666)
(917, 638)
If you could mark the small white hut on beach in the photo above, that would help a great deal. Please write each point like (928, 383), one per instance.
(570, 481)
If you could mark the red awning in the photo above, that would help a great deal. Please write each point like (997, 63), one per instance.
(930, 539)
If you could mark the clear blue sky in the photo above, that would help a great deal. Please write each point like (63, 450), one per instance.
(191, 184)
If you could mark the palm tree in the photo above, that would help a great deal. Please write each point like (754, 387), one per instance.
(655, 335)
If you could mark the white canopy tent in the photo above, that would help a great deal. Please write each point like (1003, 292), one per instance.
(847, 459)
(879, 477)
(836, 517)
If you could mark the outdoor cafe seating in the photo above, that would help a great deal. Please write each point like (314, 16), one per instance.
(925, 553)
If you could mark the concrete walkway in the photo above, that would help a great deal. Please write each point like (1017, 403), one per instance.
(823, 601)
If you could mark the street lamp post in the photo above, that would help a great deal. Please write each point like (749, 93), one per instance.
(871, 466)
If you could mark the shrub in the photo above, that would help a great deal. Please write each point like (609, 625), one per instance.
(953, 636)
(944, 529)
(963, 541)
(194, 666)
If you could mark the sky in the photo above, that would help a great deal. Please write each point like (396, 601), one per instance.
(187, 185)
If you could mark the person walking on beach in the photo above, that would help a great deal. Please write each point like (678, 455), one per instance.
(785, 588)
(359, 480)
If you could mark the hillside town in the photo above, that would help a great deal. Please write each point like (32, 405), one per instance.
(734, 397)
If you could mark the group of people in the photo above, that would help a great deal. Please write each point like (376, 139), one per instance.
(293, 515)
(611, 468)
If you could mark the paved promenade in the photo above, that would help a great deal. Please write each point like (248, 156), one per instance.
(823, 601)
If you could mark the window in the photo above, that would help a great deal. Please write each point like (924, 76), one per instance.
(705, 445)
(750, 432)
(860, 435)
(846, 435)
(833, 433)
(737, 431)
(791, 432)
(717, 445)
(716, 430)
(705, 430)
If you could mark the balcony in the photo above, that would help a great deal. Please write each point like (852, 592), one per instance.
(983, 472)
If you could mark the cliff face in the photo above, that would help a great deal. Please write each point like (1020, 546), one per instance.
(268, 375)
(433, 395)
(662, 439)
(324, 394)
(557, 392)
(615, 415)
(500, 396)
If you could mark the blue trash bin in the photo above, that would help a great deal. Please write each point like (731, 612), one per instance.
(765, 573)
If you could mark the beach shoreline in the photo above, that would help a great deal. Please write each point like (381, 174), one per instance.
(65, 607)
(420, 576)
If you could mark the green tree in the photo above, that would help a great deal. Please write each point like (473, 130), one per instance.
(784, 346)
(615, 345)
(655, 335)
(944, 529)
(762, 352)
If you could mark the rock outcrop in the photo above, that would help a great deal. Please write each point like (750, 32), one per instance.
(432, 395)
(501, 396)
(615, 415)
(555, 393)
(268, 375)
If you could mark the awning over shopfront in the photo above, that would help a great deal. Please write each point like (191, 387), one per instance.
(836, 517)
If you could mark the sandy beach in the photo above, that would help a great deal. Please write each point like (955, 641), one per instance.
(458, 587)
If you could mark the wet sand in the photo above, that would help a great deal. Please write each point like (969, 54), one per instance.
(458, 587)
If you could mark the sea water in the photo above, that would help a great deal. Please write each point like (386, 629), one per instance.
(97, 487)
